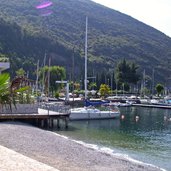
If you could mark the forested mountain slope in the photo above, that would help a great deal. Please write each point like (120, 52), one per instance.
(26, 33)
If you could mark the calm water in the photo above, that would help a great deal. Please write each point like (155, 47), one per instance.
(146, 138)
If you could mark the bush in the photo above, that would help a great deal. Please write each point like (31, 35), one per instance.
(57, 95)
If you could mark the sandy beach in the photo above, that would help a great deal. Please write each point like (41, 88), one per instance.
(38, 148)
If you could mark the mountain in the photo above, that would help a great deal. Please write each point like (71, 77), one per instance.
(59, 31)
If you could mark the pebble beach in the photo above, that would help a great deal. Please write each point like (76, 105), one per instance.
(25, 147)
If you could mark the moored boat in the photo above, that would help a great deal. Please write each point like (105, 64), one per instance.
(90, 112)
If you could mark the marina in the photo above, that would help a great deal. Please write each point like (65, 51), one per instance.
(84, 87)
(141, 134)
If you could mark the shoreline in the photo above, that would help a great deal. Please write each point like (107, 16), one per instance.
(108, 151)
(61, 152)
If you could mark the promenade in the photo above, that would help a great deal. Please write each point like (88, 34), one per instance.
(11, 160)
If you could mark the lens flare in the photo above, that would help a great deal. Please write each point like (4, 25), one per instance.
(46, 12)
(44, 5)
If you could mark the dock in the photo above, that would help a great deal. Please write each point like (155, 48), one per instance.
(46, 115)
(41, 120)
(153, 106)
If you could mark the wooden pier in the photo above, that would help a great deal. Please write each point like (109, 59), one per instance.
(41, 120)
(47, 116)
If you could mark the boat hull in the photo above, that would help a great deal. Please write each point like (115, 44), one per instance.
(93, 115)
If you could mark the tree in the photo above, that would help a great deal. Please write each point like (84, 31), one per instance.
(20, 72)
(159, 89)
(10, 90)
(92, 85)
(145, 91)
(3, 58)
(20, 90)
(5, 98)
(134, 77)
(104, 90)
(56, 73)
(126, 73)
(76, 86)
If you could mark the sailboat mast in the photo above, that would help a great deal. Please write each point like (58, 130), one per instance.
(48, 77)
(43, 82)
(85, 81)
(37, 76)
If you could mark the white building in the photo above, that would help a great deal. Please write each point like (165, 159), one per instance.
(4, 66)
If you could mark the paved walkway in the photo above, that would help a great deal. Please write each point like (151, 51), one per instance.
(11, 160)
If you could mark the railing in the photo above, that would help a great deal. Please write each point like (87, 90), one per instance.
(19, 109)
(56, 107)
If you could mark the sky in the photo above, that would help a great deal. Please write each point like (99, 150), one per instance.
(156, 13)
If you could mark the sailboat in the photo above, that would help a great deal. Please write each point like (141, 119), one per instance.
(90, 112)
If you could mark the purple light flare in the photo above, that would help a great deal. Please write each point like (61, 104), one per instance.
(44, 5)
(46, 12)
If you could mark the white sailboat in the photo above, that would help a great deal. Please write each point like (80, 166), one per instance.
(90, 112)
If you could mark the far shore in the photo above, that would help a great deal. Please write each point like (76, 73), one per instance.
(60, 152)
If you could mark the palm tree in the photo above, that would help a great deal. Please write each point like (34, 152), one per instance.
(5, 97)
(9, 91)
(92, 85)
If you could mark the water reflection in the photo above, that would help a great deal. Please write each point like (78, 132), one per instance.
(144, 119)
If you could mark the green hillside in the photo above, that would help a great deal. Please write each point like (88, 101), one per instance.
(27, 33)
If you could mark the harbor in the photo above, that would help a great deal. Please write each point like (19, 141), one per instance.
(136, 133)
(83, 92)
(133, 138)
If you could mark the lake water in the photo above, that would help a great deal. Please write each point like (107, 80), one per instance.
(143, 134)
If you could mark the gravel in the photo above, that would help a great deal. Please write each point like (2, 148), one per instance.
(61, 153)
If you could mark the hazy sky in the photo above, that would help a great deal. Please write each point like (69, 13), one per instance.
(156, 13)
